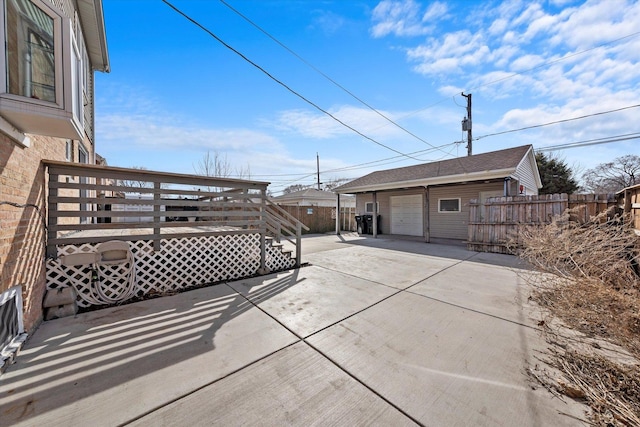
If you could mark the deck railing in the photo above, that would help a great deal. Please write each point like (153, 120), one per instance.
(93, 204)
(282, 225)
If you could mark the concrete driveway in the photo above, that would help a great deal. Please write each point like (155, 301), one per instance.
(373, 332)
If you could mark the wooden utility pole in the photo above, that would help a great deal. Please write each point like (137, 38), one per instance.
(318, 168)
(468, 124)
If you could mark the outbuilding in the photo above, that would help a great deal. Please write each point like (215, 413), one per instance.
(431, 200)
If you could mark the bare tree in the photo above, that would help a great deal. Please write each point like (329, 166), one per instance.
(613, 176)
(295, 187)
(334, 183)
(135, 183)
(216, 165)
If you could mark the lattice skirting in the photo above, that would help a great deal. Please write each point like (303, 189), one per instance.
(179, 264)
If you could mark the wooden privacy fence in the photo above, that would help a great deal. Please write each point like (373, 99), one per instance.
(494, 222)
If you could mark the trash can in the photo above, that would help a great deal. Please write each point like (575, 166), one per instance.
(368, 220)
(361, 224)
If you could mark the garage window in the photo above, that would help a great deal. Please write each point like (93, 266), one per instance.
(449, 205)
(368, 207)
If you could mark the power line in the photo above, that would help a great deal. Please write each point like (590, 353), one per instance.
(558, 121)
(364, 165)
(389, 160)
(202, 27)
(596, 141)
(317, 70)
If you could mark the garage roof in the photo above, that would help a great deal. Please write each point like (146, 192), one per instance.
(491, 165)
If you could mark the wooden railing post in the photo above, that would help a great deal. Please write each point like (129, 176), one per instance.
(52, 220)
(263, 230)
(157, 231)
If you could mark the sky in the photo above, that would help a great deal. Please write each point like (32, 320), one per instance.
(272, 85)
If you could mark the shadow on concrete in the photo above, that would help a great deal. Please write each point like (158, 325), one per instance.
(442, 248)
(72, 359)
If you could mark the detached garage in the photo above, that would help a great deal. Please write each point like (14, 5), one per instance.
(432, 199)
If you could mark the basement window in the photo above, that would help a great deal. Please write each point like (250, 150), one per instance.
(41, 79)
(449, 205)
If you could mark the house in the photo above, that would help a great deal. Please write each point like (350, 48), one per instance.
(313, 197)
(431, 200)
(49, 50)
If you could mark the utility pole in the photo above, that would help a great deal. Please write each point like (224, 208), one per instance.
(466, 124)
(318, 168)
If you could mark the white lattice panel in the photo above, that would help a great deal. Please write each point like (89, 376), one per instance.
(179, 264)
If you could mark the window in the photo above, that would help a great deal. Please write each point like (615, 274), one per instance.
(448, 205)
(30, 51)
(42, 70)
(368, 207)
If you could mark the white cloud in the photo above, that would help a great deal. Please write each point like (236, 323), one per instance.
(526, 62)
(435, 11)
(136, 131)
(328, 22)
(498, 27)
(400, 18)
(311, 124)
(457, 49)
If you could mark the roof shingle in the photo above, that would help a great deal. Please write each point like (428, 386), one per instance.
(494, 160)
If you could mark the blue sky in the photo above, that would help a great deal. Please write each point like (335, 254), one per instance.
(175, 92)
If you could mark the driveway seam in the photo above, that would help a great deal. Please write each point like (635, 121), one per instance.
(304, 340)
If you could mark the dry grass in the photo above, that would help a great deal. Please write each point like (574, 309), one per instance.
(594, 289)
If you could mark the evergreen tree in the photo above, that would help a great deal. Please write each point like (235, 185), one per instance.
(556, 176)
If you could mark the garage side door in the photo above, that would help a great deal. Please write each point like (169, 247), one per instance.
(406, 215)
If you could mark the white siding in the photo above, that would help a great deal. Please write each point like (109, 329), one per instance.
(526, 176)
(407, 215)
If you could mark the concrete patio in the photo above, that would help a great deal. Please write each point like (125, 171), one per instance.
(373, 332)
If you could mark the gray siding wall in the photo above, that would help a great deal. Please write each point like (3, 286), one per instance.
(454, 225)
(447, 225)
(384, 203)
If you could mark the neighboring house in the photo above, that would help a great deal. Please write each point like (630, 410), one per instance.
(49, 50)
(313, 197)
(432, 199)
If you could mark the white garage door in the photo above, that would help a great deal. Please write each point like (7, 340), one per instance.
(406, 215)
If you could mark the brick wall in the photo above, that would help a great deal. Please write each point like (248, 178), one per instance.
(22, 232)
